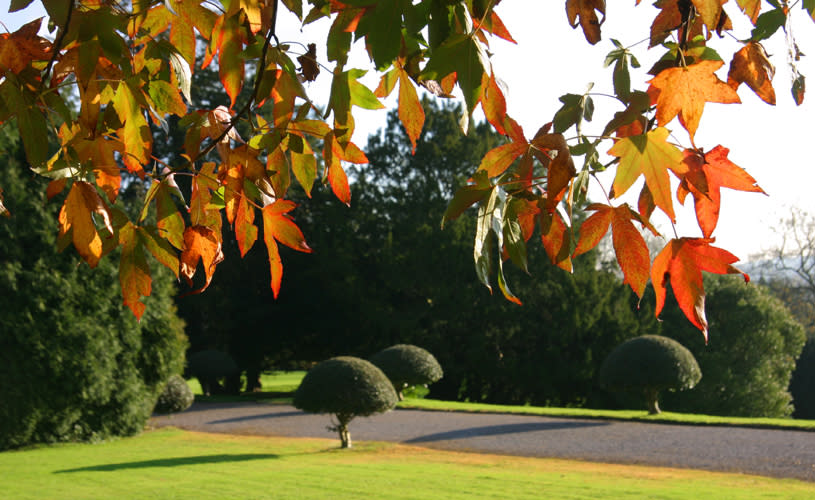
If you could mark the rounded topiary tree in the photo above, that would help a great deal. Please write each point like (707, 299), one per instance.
(345, 387)
(650, 364)
(407, 365)
(175, 397)
(209, 366)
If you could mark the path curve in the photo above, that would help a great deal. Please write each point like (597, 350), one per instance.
(767, 452)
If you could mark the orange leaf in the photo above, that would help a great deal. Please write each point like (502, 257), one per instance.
(752, 8)
(277, 226)
(75, 216)
(561, 170)
(18, 49)
(497, 160)
(582, 12)
(201, 244)
(494, 103)
(705, 177)
(411, 112)
(135, 132)
(629, 245)
(246, 233)
(684, 91)
(681, 262)
(134, 273)
(652, 156)
(230, 63)
(751, 65)
(556, 239)
(99, 154)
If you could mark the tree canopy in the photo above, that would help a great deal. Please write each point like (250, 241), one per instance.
(114, 70)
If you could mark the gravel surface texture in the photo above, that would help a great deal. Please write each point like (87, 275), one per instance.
(776, 453)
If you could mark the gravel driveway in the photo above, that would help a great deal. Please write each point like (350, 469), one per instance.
(777, 453)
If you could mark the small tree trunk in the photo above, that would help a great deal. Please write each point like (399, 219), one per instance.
(399, 393)
(342, 429)
(652, 397)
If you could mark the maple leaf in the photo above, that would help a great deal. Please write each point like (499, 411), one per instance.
(134, 273)
(652, 156)
(201, 244)
(583, 12)
(76, 217)
(556, 239)
(19, 49)
(560, 170)
(684, 92)
(752, 66)
(710, 11)
(681, 263)
(751, 8)
(277, 226)
(309, 69)
(706, 175)
(629, 245)
(135, 132)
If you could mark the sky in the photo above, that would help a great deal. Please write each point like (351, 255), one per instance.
(773, 143)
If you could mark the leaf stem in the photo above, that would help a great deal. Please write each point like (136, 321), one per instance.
(55, 48)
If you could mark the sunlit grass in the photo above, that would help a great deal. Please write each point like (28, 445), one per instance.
(176, 464)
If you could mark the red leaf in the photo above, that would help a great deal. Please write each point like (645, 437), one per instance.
(277, 226)
(556, 239)
(681, 262)
(204, 245)
(705, 177)
(497, 160)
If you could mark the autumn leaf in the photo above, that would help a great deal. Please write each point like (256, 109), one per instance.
(201, 244)
(309, 69)
(652, 156)
(135, 132)
(629, 245)
(556, 239)
(76, 217)
(230, 64)
(706, 175)
(752, 66)
(583, 12)
(751, 8)
(134, 273)
(684, 91)
(560, 170)
(681, 263)
(99, 153)
(277, 226)
(498, 159)
(19, 49)
(710, 11)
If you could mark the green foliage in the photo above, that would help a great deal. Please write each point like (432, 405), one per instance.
(74, 363)
(802, 384)
(209, 366)
(407, 365)
(754, 342)
(345, 387)
(175, 397)
(649, 365)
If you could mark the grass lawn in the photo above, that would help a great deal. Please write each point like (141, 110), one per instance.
(177, 464)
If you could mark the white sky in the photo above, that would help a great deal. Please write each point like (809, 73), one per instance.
(774, 144)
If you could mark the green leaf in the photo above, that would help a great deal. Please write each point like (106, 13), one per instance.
(463, 55)
(569, 114)
(295, 6)
(18, 5)
(159, 248)
(767, 24)
(183, 74)
(32, 124)
(467, 196)
(383, 36)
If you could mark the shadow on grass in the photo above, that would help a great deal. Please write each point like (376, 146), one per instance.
(173, 462)
(497, 430)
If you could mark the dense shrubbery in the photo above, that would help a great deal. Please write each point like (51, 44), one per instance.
(210, 367)
(74, 364)
(175, 397)
(648, 365)
(754, 342)
(407, 365)
(345, 387)
(802, 385)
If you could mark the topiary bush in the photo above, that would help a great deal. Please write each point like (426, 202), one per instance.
(345, 387)
(175, 397)
(407, 365)
(650, 364)
(209, 367)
